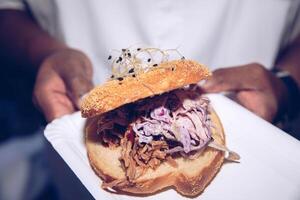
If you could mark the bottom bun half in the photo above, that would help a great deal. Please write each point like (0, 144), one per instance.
(189, 178)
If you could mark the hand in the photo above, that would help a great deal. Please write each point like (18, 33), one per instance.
(62, 79)
(255, 88)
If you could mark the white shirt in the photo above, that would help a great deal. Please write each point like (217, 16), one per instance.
(218, 33)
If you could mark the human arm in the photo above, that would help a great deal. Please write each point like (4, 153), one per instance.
(256, 88)
(289, 60)
(64, 74)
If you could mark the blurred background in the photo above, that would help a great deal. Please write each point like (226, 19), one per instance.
(25, 170)
(29, 167)
(24, 151)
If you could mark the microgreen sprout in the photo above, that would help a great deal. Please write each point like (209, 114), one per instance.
(134, 61)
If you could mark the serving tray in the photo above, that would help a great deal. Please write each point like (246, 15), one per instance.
(269, 166)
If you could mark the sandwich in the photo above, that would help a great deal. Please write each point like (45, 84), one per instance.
(150, 128)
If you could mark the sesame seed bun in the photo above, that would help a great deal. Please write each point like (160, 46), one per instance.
(165, 77)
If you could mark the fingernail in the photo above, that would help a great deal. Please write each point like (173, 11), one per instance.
(201, 83)
(206, 85)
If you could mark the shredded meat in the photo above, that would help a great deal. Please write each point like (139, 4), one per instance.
(112, 125)
(116, 183)
(152, 153)
(136, 158)
(151, 133)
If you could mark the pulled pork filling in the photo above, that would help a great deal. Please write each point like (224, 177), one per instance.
(156, 129)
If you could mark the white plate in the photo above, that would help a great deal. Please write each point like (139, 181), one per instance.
(269, 168)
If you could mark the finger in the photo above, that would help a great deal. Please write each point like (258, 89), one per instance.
(230, 79)
(76, 70)
(55, 104)
(258, 102)
(50, 96)
(77, 87)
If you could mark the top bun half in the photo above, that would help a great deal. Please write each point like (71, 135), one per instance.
(165, 77)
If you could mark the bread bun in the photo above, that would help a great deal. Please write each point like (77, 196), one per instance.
(165, 77)
(189, 178)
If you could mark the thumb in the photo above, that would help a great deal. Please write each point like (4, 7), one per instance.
(227, 79)
(77, 87)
